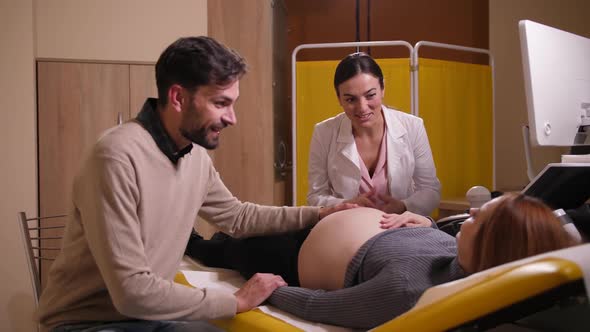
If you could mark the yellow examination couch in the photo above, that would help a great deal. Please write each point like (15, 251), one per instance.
(547, 292)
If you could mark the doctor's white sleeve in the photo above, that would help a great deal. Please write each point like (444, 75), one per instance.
(427, 186)
(320, 189)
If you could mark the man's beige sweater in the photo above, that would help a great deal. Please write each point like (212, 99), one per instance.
(133, 210)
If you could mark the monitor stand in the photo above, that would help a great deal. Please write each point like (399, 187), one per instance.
(578, 153)
(561, 185)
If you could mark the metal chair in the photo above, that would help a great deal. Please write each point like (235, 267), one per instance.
(42, 240)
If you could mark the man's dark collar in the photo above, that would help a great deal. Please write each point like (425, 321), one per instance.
(149, 118)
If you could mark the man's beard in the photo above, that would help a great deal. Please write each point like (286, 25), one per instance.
(199, 136)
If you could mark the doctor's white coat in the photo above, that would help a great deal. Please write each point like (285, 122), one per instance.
(334, 171)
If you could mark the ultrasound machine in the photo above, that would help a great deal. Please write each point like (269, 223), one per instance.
(556, 67)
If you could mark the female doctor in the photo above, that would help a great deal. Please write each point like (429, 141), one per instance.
(370, 154)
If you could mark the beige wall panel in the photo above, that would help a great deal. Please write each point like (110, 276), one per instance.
(114, 30)
(245, 154)
(511, 114)
(18, 171)
(142, 84)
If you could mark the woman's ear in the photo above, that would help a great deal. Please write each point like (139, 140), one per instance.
(176, 97)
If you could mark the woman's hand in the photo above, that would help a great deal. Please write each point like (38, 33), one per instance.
(365, 200)
(406, 219)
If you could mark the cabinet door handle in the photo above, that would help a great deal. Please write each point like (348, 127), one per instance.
(119, 119)
(282, 165)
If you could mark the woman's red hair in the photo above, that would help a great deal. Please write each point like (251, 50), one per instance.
(517, 227)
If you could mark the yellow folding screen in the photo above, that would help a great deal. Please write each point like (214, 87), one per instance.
(455, 101)
(456, 105)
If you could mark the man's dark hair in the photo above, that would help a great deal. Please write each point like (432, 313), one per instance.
(196, 61)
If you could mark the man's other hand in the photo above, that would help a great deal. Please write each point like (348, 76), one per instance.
(257, 290)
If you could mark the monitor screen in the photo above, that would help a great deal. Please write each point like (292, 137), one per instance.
(556, 68)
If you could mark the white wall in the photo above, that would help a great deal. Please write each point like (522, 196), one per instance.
(104, 30)
(510, 113)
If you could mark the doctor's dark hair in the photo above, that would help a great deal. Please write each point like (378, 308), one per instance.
(196, 61)
(354, 64)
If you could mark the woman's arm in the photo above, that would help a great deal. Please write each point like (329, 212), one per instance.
(363, 306)
(427, 195)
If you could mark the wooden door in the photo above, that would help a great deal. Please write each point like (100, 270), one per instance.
(245, 155)
(76, 102)
(142, 84)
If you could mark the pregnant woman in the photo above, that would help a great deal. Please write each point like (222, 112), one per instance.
(354, 273)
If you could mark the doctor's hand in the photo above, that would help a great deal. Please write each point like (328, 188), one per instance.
(327, 210)
(406, 219)
(392, 205)
(365, 200)
(257, 290)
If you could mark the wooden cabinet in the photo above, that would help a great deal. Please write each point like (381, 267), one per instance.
(76, 102)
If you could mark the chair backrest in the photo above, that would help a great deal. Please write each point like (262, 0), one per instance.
(42, 240)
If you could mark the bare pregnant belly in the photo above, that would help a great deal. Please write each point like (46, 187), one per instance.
(331, 245)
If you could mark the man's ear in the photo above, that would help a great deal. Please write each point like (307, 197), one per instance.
(176, 97)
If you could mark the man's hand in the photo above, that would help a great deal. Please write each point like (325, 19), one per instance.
(257, 290)
(327, 210)
(406, 219)
(392, 205)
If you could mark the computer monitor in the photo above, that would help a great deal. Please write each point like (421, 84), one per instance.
(556, 67)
